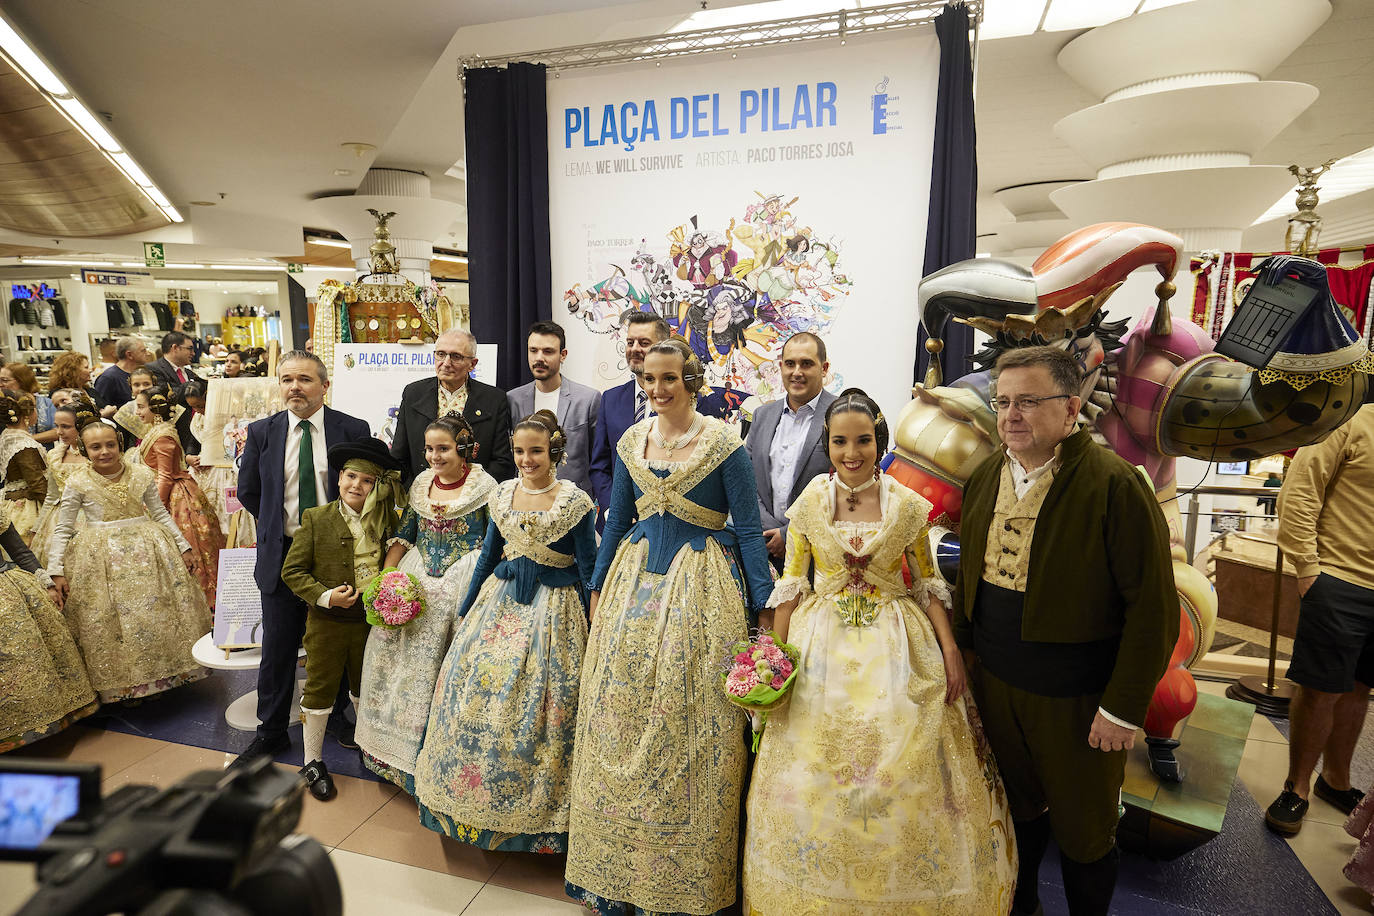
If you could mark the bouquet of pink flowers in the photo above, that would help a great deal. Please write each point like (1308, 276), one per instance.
(758, 676)
(393, 598)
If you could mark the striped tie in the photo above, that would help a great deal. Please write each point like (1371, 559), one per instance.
(639, 406)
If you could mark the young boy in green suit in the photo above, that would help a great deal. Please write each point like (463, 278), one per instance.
(337, 552)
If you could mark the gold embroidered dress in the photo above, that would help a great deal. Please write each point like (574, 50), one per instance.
(498, 752)
(401, 664)
(658, 764)
(870, 794)
(25, 465)
(59, 472)
(43, 683)
(133, 607)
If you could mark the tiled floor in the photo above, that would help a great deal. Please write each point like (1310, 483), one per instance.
(388, 864)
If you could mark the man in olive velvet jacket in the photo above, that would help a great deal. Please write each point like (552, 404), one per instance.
(1066, 641)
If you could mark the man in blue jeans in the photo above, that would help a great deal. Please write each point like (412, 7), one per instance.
(1324, 510)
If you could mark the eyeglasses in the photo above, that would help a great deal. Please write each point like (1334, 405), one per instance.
(441, 357)
(1026, 403)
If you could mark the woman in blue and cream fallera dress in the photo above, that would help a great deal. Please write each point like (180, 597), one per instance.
(497, 759)
(659, 762)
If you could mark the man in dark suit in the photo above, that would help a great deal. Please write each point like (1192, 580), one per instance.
(283, 472)
(786, 440)
(453, 388)
(625, 405)
(173, 366)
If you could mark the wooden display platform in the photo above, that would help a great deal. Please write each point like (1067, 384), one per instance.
(1165, 820)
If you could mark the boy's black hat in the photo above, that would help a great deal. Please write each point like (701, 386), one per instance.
(369, 449)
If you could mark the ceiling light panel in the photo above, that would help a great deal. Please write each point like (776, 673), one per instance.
(1084, 14)
(327, 242)
(27, 61)
(82, 118)
(1008, 18)
(130, 168)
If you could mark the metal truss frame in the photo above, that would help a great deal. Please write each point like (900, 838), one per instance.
(838, 26)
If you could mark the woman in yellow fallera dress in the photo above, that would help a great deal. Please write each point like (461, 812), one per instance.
(872, 793)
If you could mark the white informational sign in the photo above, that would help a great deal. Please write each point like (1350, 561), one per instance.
(238, 603)
(745, 200)
(367, 379)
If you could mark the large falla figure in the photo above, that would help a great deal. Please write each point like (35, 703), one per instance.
(1153, 393)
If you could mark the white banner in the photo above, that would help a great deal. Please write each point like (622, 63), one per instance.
(745, 200)
(368, 379)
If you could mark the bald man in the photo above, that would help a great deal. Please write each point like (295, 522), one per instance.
(454, 389)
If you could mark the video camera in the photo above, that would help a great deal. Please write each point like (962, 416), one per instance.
(219, 843)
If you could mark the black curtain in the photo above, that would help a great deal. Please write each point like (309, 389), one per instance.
(951, 225)
(506, 126)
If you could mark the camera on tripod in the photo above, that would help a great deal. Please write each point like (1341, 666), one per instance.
(218, 843)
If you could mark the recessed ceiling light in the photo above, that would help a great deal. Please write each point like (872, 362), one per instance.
(343, 172)
(359, 149)
(327, 242)
(202, 203)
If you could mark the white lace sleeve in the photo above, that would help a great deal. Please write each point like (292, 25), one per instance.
(925, 589)
(787, 588)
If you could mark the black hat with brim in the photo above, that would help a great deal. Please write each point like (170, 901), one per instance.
(369, 449)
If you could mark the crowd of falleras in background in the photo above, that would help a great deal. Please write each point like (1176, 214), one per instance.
(563, 696)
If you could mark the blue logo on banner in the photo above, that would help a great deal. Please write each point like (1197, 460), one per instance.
(880, 108)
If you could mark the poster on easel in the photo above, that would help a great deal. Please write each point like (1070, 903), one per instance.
(238, 603)
(368, 379)
(231, 405)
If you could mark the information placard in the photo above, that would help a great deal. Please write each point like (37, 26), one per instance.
(238, 603)
(368, 379)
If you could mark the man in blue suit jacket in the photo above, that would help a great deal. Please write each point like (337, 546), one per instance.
(624, 405)
(278, 449)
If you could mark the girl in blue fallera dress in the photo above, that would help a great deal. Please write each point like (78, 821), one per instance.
(659, 759)
(441, 533)
(495, 766)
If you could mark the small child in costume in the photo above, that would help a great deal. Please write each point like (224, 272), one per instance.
(337, 551)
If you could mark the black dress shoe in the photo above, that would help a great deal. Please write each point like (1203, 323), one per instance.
(269, 745)
(1343, 800)
(318, 780)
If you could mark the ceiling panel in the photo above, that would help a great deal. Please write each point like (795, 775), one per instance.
(52, 181)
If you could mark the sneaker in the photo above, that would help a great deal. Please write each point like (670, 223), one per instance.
(1343, 800)
(318, 780)
(1286, 813)
(269, 745)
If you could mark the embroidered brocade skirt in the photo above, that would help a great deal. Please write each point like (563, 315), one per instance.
(134, 609)
(659, 761)
(401, 667)
(870, 795)
(43, 682)
(195, 517)
(498, 751)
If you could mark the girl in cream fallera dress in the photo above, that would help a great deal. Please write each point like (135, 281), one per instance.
(133, 607)
(872, 793)
(438, 543)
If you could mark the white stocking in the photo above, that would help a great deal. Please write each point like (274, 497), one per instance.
(313, 722)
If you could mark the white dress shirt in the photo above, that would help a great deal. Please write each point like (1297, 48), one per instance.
(290, 463)
(786, 450)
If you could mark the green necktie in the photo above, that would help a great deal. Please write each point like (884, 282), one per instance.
(305, 470)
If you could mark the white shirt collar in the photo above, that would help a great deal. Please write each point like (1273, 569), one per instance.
(348, 512)
(813, 404)
(316, 420)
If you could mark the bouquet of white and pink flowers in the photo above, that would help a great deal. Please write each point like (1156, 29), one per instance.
(393, 598)
(758, 676)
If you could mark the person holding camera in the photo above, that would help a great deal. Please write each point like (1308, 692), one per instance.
(339, 548)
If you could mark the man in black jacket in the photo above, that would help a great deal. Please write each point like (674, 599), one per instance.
(453, 389)
(173, 367)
